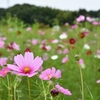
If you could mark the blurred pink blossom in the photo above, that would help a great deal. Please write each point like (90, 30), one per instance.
(34, 41)
(89, 19)
(63, 90)
(98, 81)
(41, 32)
(95, 23)
(81, 63)
(74, 26)
(66, 23)
(50, 73)
(4, 71)
(15, 46)
(65, 51)
(98, 52)
(2, 43)
(59, 51)
(28, 29)
(65, 59)
(3, 61)
(45, 56)
(80, 18)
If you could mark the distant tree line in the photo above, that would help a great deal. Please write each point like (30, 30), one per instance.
(45, 15)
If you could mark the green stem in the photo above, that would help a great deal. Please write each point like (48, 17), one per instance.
(29, 94)
(15, 91)
(0, 87)
(9, 95)
(82, 86)
(44, 91)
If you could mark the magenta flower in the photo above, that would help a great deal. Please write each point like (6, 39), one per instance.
(50, 73)
(63, 90)
(3, 61)
(27, 65)
(4, 71)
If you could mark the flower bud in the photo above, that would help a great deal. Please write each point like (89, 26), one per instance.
(54, 92)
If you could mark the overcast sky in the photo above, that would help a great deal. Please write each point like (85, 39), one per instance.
(60, 4)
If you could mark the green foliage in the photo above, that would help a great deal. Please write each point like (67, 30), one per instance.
(45, 15)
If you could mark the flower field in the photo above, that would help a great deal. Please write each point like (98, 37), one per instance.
(57, 63)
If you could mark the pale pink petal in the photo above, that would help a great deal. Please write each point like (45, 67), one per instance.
(18, 73)
(14, 67)
(66, 92)
(19, 60)
(32, 74)
(29, 57)
(37, 63)
(58, 74)
(53, 70)
(63, 90)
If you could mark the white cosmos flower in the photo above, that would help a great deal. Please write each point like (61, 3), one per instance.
(55, 41)
(86, 46)
(97, 56)
(82, 66)
(63, 36)
(54, 57)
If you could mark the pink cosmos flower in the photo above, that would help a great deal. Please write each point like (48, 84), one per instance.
(26, 65)
(65, 51)
(81, 63)
(95, 23)
(41, 32)
(4, 71)
(66, 23)
(48, 47)
(15, 46)
(28, 29)
(63, 90)
(98, 81)
(65, 59)
(45, 56)
(2, 38)
(55, 41)
(98, 52)
(59, 51)
(80, 18)
(2, 43)
(89, 19)
(74, 26)
(34, 41)
(3, 61)
(50, 73)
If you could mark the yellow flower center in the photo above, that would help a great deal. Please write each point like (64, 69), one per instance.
(5, 72)
(26, 69)
(48, 76)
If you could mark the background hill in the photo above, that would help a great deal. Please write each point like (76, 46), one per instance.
(45, 15)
